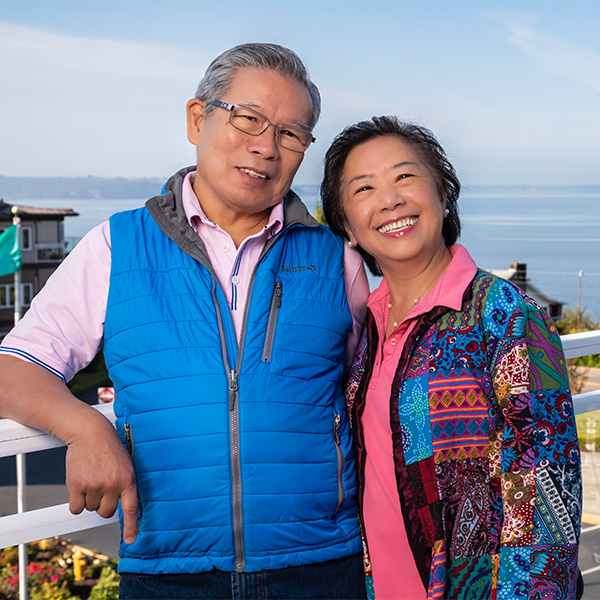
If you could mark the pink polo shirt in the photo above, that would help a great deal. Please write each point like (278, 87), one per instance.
(63, 328)
(395, 574)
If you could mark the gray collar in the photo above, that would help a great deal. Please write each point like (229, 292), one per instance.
(167, 211)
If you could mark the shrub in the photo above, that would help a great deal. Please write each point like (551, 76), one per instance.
(44, 580)
(107, 587)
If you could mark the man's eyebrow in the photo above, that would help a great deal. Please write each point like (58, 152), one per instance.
(259, 109)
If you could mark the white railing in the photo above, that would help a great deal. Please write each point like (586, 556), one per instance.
(57, 520)
(42, 523)
(583, 344)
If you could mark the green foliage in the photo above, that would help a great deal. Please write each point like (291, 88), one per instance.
(588, 430)
(319, 215)
(568, 323)
(95, 570)
(50, 575)
(107, 587)
(587, 322)
(48, 591)
(94, 375)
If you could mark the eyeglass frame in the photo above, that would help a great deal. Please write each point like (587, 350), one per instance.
(231, 107)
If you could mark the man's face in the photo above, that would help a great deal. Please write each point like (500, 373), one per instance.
(239, 174)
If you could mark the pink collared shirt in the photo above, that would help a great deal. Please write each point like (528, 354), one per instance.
(395, 574)
(63, 328)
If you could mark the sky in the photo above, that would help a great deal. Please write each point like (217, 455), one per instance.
(511, 89)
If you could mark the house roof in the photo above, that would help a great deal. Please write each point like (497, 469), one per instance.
(517, 273)
(34, 212)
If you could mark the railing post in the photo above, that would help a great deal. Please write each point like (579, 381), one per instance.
(21, 462)
(21, 507)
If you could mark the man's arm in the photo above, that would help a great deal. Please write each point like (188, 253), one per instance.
(61, 332)
(99, 470)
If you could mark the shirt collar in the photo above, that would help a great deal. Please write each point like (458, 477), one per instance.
(195, 214)
(448, 290)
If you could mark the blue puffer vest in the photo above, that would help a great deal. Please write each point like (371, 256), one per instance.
(243, 457)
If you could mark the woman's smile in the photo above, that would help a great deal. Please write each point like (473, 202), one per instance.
(391, 203)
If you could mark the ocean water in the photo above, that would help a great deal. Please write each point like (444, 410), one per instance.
(556, 236)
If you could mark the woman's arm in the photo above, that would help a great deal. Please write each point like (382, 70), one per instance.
(536, 459)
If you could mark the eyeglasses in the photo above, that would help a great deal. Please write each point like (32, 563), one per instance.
(249, 121)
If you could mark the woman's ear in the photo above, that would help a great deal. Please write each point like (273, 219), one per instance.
(352, 240)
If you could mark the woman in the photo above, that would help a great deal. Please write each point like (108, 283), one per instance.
(468, 458)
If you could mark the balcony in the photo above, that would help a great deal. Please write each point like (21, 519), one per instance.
(57, 520)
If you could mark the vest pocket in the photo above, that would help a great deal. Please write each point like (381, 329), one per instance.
(131, 451)
(340, 462)
(272, 321)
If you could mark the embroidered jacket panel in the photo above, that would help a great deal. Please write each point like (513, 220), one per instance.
(485, 446)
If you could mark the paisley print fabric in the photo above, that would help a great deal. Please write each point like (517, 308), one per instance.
(485, 447)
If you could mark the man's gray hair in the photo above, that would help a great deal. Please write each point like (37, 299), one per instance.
(217, 80)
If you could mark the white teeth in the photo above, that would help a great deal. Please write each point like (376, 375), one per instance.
(254, 174)
(398, 225)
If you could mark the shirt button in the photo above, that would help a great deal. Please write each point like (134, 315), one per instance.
(225, 248)
(393, 341)
(235, 280)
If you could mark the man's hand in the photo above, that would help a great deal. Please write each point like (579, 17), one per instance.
(99, 472)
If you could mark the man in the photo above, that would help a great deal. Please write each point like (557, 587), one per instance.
(224, 310)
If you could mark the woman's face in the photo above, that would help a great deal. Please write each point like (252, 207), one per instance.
(391, 202)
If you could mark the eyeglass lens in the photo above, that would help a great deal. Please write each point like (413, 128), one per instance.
(249, 121)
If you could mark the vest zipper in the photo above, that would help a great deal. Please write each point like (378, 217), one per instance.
(130, 450)
(234, 433)
(272, 321)
(340, 462)
(236, 473)
(234, 442)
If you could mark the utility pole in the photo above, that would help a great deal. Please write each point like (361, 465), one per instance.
(579, 302)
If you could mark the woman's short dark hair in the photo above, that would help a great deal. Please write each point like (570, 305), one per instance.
(421, 140)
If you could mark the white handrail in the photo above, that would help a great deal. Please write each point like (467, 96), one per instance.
(20, 439)
(57, 520)
(581, 344)
(42, 523)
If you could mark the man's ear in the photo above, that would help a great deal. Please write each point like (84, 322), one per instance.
(195, 116)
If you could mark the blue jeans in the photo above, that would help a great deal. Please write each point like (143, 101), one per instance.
(341, 579)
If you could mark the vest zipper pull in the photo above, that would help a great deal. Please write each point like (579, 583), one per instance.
(233, 388)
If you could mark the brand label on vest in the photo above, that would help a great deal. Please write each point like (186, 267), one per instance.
(288, 269)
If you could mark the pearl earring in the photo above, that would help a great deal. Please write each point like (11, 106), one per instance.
(350, 244)
(446, 212)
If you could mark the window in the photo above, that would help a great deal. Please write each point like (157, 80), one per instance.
(49, 252)
(7, 294)
(26, 238)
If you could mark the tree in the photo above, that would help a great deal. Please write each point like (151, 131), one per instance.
(579, 367)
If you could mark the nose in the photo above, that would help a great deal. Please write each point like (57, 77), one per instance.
(391, 198)
(265, 144)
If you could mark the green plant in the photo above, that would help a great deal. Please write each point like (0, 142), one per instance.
(572, 322)
(96, 568)
(107, 587)
(588, 431)
(93, 375)
(47, 591)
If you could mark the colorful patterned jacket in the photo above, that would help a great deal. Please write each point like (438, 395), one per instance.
(485, 447)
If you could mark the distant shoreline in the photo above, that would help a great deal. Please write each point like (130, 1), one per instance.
(63, 189)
